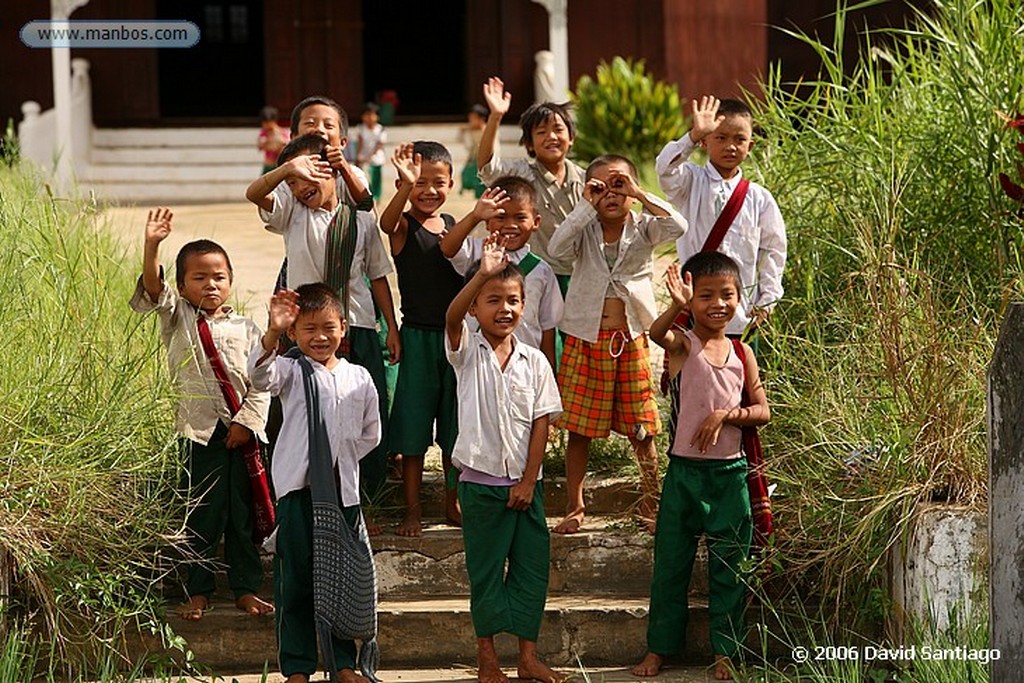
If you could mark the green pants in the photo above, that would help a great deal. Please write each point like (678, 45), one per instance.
(218, 482)
(294, 616)
(509, 601)
(425, 394)
(709, 497)
(365, 351)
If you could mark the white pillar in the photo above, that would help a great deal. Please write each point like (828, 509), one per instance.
(558, 42)
(60, 10)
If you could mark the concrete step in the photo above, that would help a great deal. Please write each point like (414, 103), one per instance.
(467, 674)
(597, 631)
(605, 559)
(178, 156)
(224, 172)
(209, 191)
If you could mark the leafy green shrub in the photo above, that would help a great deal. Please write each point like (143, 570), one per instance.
(625, 111)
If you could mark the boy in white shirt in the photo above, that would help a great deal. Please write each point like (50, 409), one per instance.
(507, 394)
(312, 317)
(509, 209)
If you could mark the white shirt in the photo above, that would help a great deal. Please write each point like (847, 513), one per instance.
(366, 140)
(348, 403)
(581, 239)
(543, 307)
(305, 244)
(756, 240)
(497, 409)
(201, 404)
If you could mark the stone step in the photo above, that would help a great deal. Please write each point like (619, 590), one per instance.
(227, 171)
(168, 193)
(179, 156)
(597, 631)
(467, 674)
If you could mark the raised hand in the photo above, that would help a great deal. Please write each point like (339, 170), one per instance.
(284, 309)
(407, 163)
(496, 97)
(679, 288)
(493, 260)
(336, 157)
(705, 117)
(490, 205)
(594, 191)
(624, 184)
(158, 225)
(310, 167)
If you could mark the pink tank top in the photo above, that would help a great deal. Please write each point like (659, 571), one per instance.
(703, 388)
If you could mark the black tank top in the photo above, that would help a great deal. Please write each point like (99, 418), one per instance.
(426, 279)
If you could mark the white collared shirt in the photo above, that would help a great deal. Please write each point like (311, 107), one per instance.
(756, 240)
(497, 409)
(348, 403)
(201, 404)
(543, 306)
(305, 244)
(580, 238)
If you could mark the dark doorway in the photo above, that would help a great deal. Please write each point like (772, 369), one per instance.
(222, 76)
(417, 49)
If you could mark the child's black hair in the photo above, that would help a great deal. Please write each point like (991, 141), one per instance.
(731, 107)
(310, 143)
(705, 263)
(509, 272)
(319, 296)
(198, 248)
(539, 113)
(433, 151)
(370, 107)
(518, 189)
(326, 101)
(268, 114)
(606, 159)
(480, 110)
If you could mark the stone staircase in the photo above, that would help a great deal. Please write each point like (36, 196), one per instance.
(207, 165)
(596, 609)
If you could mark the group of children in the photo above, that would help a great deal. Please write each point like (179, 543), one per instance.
(563, 280)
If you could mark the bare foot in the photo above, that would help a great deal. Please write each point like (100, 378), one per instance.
(452, 511)
(372, 527)
(487, 668)
(350, 676)
(194, 609)
(570, 524)
(297, 678)
(250, 603)
(650, 665)
(412, 524)
(531, 668)
(723, 668)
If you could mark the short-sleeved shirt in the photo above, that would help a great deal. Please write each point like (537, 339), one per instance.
(201, 404)
(497, 408)
(543, 308)
(554, 202)
(348, 404)
(305, 244)
(368, 139)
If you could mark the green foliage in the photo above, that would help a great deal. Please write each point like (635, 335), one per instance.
(903, 253)
(624, 111)
(87, 491)
(10, 149)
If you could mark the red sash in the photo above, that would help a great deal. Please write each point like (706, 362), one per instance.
(262, 506)
(757, 482)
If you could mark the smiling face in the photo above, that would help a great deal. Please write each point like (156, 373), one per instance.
(517, 224)
(322, 120)
(715, 299)
(612, 207)
(730, 144)
(207, 281)
(550, 141)
(318, 334)
(498, 307)
(431, 189)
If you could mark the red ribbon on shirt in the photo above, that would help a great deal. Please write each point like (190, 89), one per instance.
(262, 505)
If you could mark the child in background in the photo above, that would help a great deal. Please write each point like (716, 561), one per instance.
(605, 372)
(509, 209)
(425, 392)
(272, 138)
(507, 394)
(313, 318)
(327, 241)
(705, 489)
(369, 138)
(212, 436)
(548, 135)
(472, 133)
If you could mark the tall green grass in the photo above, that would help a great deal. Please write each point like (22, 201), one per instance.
(87, 486)
(903, 254)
